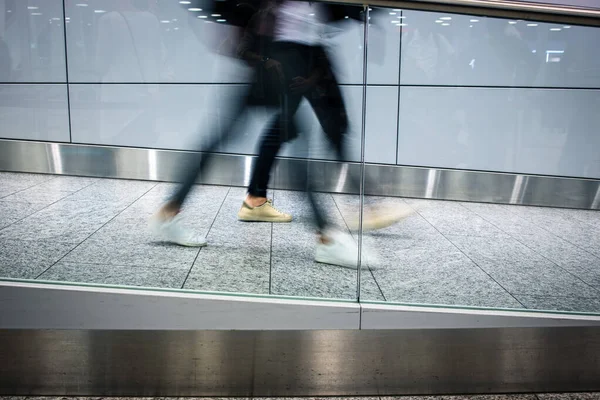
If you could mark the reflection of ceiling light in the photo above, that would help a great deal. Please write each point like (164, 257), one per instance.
(555, 29)
(165, 21)
(512, 22)
(221, 20)
(36, 13)
(446, 18)
(68, 18)
(194, 9)
(99, 11)
(392, 13)
(346, 17)
(445, 24)
(175, 29)
(439, 21)
(218, 15)
(55, 19)
(567, 27)
(32, 8)
(81, 5)
(202, 16)
(532, 24)
(185, 2)
(401, 17)
(534, 51)
(470, 26)
(402, 24)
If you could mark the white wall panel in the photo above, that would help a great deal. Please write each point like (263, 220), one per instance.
(34, 112)
(543, 131)
(450, 49)
(185, 116)
(121, 42)
(32, 41)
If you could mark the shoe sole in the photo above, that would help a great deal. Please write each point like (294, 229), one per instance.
(184, 244)
(332, 262)
(275, 220)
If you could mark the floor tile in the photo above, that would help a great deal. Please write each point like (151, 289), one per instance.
(231, 269)
(504, 218)
(451, 218)
(198, 214)
(24, 259)
(570, 396)
(570, 257)
(66, 221)
(114, 191)
(237, 258)
(13, 211)
(128, 250)
(472, 397)
(11, 182)
(428, 276)
(294, 271)
(68, 183)
(565, 303)
(521, 270)
(38, 195)
(108, 274)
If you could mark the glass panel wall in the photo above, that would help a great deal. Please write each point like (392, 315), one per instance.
(494, 95)
(319, 173)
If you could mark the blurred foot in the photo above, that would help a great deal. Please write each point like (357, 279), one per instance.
(381, 217)
(172, 230)
(262, 213)
(337, 248)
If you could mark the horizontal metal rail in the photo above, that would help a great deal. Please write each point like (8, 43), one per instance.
(553, 13)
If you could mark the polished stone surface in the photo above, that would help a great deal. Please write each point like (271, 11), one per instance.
(444, 253)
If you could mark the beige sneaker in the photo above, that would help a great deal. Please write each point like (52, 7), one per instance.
(381, 218)
(263, 213)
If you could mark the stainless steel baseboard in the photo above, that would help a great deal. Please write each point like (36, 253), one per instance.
(294, 363)
(234, 170)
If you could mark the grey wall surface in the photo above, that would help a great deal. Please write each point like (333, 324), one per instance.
(452, 91)
(33, 89)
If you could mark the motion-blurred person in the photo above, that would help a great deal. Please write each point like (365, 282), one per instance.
(306, 73)
(293, 65)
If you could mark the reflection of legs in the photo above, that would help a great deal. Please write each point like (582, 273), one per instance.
(282, 129)
(165, 222)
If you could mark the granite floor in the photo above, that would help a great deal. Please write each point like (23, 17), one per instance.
(60, 228)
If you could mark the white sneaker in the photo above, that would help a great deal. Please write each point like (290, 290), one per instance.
(341, 250)
(172, 230)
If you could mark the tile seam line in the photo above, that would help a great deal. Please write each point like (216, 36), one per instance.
(207, 234)
(348, 228)
(552, 233)
(473, 261)
(28, 187)
(535, 251)
(45, 207)
(103, 225)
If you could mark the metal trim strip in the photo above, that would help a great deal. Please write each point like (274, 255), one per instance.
(234, 170)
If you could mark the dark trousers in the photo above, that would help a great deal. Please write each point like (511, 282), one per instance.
(327, 103)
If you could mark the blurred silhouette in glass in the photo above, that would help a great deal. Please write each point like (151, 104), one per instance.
(283, 43)
(130, 48)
